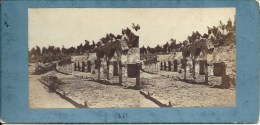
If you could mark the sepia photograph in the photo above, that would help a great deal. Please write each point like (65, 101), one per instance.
(131, 57)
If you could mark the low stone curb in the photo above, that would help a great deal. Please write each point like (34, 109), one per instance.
(153, 99)
(63, 96)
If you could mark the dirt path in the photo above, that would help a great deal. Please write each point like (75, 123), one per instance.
(41, 98)
(98, 95)
(105, 96)
(80, 90)
(182, 94)
(101, 95)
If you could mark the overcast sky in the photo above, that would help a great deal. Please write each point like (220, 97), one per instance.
(70, 27)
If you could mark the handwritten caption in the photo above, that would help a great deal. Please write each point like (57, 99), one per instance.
(120, 115)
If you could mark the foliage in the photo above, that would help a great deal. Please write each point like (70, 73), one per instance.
(52, 81)
(43, 68)
(221, 35)
(51, 53)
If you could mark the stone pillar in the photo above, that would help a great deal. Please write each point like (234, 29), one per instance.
(206, 71)
(78, 67)
(169, 65)
(161, 66)
(137, 85)
(184, 67)
(119, 63)
(99, 65)
(175, 66)
(75, 66)
(108, 63)
(193, 69)
(164, 66)
(89, 66)
(83, 66)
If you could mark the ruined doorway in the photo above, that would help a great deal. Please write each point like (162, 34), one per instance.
(161, 66)
(78, 67)
(164, 65)
(115, 70)
(83, 66)
(89, 66)
(133, 70)
(202, 67)
(170, 65)
(219, 69)
(75, 66)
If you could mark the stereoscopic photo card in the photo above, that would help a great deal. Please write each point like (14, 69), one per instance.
(129, 61)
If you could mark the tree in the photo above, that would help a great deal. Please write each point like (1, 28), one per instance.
(152, 50)
(86, 46)
(229, 25)
(178, 46)
(221, 23)
(104, 40)
(63, 51)
(215, 30)
(198, 35)
(193, 37)
(50, 50)
(143, 50)
(93, 45)
(158, 49)
(135, 27)
(205, 35)
(44, 51)
(166, 47)
(71, 50)
(99, 43)
(57, 51)
(33, 52)
(38, 51)
(189, 39)
(148, 49)
(172, 45)
(79, 48)
(108, 38)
